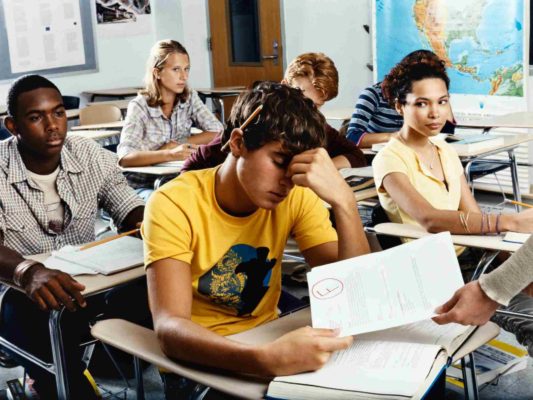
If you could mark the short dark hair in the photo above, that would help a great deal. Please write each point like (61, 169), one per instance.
(24, 84)
(399, 81)
(287, 116)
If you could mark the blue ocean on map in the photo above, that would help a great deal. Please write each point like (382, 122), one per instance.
(495, 43)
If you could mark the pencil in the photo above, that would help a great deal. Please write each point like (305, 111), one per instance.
(108, 239)
(519, 203)
(245, 123)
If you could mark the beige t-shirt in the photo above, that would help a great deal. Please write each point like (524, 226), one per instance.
(52, 202)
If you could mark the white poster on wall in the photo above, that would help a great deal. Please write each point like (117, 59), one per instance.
(43, 34)
(123, 17)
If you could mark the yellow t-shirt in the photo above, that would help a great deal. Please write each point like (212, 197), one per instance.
(235, 261)
(397, 157)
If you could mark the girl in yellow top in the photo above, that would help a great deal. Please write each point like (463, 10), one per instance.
(420, 180)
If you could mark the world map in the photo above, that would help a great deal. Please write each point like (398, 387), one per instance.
(481, 41)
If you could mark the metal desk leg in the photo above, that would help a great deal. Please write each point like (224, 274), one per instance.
(469, 377)
(58, 353)
(221, 104)
(514, 178)
(139, 378)
(484, 262)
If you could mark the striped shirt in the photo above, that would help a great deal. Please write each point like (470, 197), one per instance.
(147, 128)
(372, 114)
(88, 179)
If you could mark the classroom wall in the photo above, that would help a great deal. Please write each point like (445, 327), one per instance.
(121, 59)
(334, 27)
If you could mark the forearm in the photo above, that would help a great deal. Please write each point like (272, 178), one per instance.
(202, 138)
(469, 223)
(341, 162)
(132, 220)
(183, 339)
(9, 259)
(144, 158)
(511, 277)
(352, 240)
(373, 138)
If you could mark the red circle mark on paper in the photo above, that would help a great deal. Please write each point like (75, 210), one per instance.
(327, 289)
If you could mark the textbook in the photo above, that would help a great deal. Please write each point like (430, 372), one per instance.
(494, 359)
(386, 299)
(357, 183)
(516, 237)
(390, 364)
(106, 258)
(475, 142)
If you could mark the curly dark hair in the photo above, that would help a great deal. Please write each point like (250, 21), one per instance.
(418, 65)
(399, 81)
(287, 116)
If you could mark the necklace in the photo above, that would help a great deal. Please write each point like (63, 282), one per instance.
(433, 150)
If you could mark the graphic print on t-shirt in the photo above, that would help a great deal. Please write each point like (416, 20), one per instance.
(240, 279)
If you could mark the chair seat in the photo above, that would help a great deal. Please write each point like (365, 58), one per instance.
(479, 169)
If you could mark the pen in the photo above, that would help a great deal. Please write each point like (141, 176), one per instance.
(245, 123)
(519, 203)
(108, 239)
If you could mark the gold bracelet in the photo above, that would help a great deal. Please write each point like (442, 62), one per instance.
(466, 222)
(463, 221)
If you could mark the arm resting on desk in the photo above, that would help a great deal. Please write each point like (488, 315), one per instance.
(47, 287)
(170, 291)
(407, 198)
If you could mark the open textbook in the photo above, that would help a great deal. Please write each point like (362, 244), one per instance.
(386, 299)
(106, 258)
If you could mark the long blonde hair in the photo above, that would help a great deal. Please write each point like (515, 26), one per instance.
(157, 59)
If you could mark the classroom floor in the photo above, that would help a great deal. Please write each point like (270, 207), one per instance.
(516, 386)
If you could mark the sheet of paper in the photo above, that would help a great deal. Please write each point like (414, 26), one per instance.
(516, 237)
(114, 256)
(170, 164)
(374, 367)
(386, 289)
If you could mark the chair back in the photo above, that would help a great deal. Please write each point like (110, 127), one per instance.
(71, 102)
(100, 114)
(379, 216)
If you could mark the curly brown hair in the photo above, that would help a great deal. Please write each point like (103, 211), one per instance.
(320, 69)
(398, 83)
(287, 116)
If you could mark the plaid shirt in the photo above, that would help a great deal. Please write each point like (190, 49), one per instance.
(88, 179)
(147, 128)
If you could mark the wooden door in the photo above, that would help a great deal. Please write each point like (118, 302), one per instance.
(245, 42)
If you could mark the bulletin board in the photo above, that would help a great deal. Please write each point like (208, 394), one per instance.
(46, 37)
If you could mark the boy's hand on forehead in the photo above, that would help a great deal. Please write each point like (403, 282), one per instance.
(315, 169)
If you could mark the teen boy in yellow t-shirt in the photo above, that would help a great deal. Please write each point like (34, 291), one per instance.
(214, 238)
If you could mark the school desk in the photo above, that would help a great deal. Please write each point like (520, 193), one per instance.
(160, 171)
(119, 93)
(97, 135)
(521, 119)
(490, 244)
(143, 344)
(218, 93)
(511, 142)
(94, 284)
(337, 114)
(104, 125)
